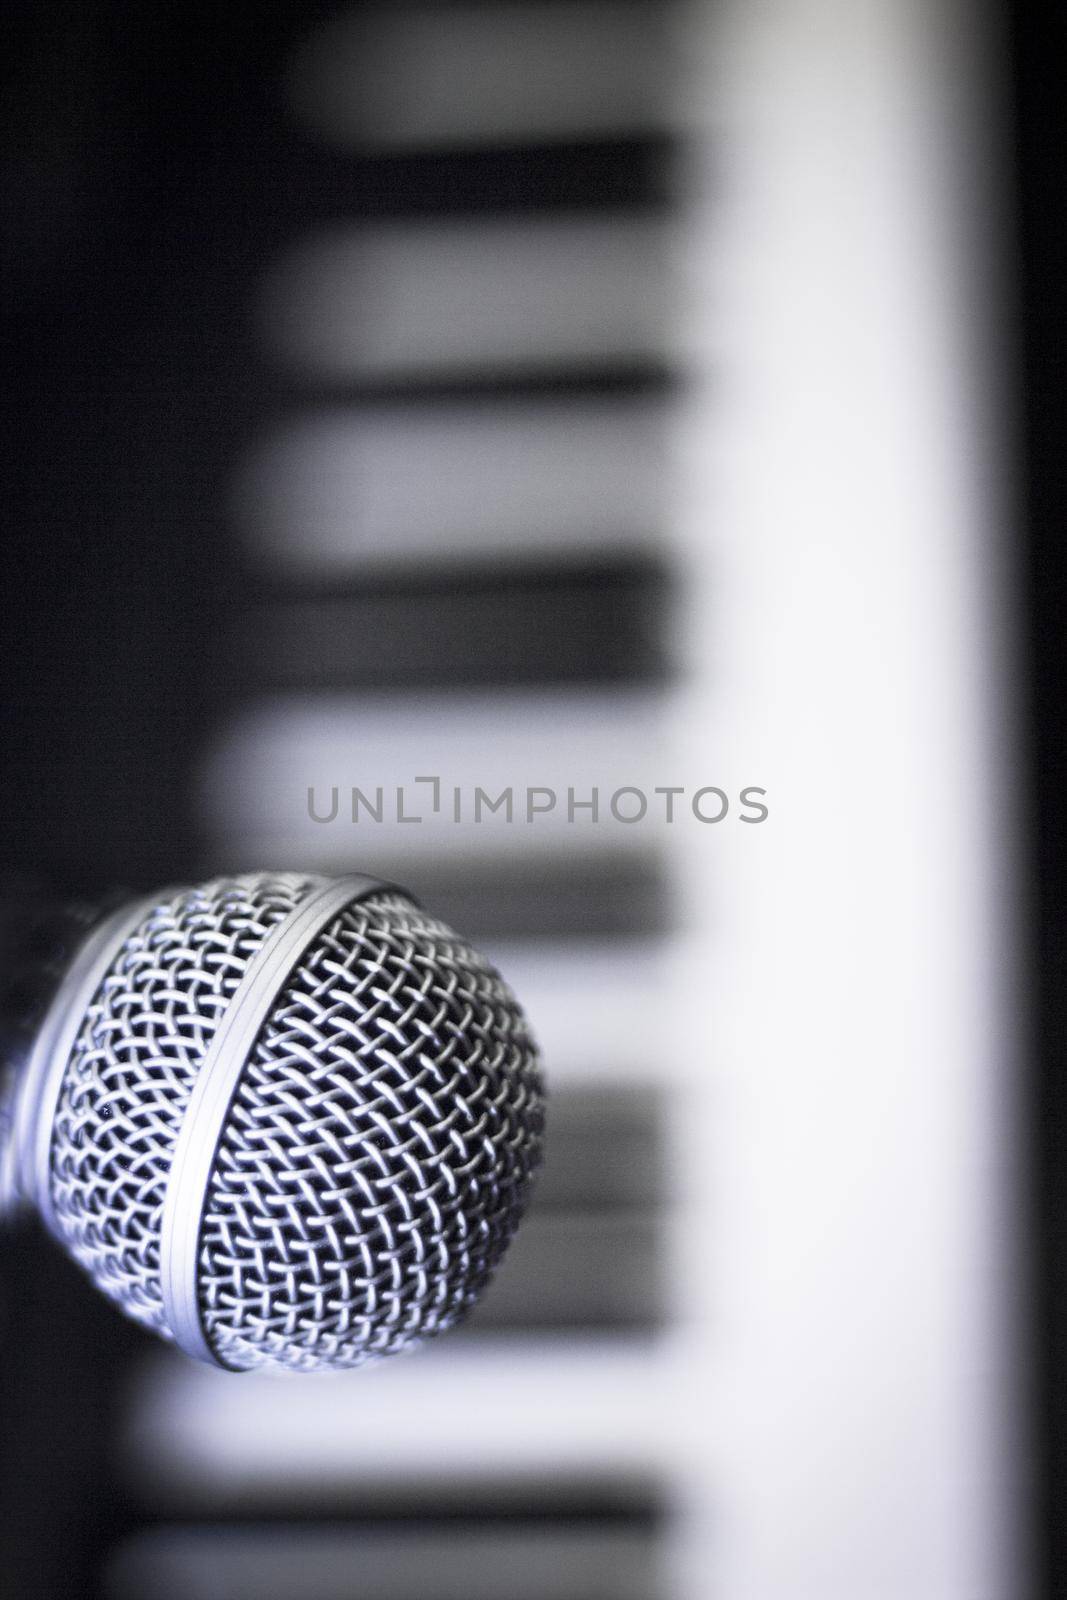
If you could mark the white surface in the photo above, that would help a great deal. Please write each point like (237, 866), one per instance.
(841, 519)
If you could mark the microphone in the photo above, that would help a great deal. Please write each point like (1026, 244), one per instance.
(283, 1120)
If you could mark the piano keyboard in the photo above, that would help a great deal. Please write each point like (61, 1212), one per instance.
(619, 369)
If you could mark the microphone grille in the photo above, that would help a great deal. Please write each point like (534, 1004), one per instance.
(376, 1155)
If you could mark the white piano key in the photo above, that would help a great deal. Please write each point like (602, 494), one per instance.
(256, 778)
(474, 1408)
(401, 77)
(364, 303)
(330, 493)
(597, 1010)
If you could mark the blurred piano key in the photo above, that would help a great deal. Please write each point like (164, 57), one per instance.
(258, 772)
(450, 484)
(318, 186)
(589, 1257)
(577, 1272)
(597, 1011)
(404, 75)
(469, 1417)
(606, 1152)
(563, 896)
(480, 298)
(552, 897)
(450, 1560)
(517, 626)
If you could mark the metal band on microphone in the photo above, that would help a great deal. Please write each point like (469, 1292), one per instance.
(212, 1095)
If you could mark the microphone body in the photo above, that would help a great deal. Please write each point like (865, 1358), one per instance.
(283, 1120)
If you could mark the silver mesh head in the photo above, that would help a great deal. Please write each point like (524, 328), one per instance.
(373, 1161)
